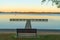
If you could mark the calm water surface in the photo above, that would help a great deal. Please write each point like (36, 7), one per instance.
(51, 24)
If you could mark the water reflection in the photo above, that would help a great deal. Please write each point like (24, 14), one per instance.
(53, 22)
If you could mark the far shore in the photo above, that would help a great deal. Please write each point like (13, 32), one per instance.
(29, 12)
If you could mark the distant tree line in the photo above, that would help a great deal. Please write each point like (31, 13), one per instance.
(30, 12)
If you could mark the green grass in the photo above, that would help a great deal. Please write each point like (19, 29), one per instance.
(49, 37)
(41, 37)
(45, 37)
(7, 37)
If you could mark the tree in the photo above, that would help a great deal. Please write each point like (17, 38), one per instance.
(57, 2)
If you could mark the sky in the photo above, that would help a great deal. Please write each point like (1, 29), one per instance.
(27, 6)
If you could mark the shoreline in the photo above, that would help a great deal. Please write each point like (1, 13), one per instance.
(29, 12)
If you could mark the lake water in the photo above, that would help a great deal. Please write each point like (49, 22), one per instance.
(53, 22)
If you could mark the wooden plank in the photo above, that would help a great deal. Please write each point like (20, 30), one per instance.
(28, 19)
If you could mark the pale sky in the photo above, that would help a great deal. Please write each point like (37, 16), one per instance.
(27, 6)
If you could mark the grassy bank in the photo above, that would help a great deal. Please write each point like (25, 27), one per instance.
(49, 37)
(41, 37)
